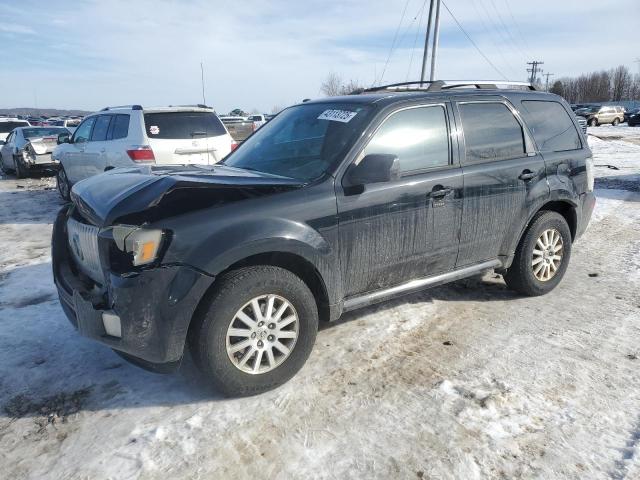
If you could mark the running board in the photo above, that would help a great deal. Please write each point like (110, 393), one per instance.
(418, 284)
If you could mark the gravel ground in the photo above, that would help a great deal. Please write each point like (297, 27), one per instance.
(465, 381)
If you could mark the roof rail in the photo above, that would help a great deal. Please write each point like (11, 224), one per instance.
(438, 85)
(132, 107)
(195, 105)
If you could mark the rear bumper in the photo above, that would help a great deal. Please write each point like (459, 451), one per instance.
(585, 209)
(155, 306)
(42, 161)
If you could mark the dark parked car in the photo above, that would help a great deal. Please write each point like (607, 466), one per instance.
(632, 117)
(333, 205)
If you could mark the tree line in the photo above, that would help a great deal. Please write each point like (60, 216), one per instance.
(603, 86)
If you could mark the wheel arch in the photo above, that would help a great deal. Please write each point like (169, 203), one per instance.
(564, 207)
(295, 263)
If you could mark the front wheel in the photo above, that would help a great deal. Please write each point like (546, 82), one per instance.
(3, 167)
(542, 256)
(593, 122)
(21, 169)
(615, 122)
(62, 182)
(255, 330)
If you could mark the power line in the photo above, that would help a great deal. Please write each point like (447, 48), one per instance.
(474, 43)
(393, 43)
(491, 36)
(534, 70)
(415, 40)
(523, 39)
(507, 30)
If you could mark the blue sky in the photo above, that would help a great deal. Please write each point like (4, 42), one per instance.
(91, 53)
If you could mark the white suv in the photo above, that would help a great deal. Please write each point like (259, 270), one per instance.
(130, 135)
(7, 124)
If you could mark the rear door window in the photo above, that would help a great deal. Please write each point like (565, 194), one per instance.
(417, 136)
(551, 126)
(491, 132)
(183, 125)
(119, 127)
(101, 128)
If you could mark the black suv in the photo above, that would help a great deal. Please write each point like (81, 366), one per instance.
(333, 205)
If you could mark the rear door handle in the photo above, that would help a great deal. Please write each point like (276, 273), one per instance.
(440, 192)
(527, 175)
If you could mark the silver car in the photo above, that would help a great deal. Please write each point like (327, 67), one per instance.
(29, 148)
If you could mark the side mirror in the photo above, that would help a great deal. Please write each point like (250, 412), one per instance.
(374, 168)
(64, 138)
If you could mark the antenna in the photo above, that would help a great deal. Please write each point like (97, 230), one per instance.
(204, 100)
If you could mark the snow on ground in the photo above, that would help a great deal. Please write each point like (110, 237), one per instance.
(464, 381)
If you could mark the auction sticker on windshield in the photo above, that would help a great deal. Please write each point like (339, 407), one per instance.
(343, 116)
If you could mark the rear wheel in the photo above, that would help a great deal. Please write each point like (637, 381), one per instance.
(256, 330)
(593, 122)
(62, 182)
(615, 122)
(542, 256)
(3, 166)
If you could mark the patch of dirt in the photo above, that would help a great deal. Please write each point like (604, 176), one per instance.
(49, 410)
(612, 183)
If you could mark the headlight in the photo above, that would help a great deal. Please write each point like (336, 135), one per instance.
(144, 244)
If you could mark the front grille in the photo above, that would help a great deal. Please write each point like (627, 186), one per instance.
(83, 243)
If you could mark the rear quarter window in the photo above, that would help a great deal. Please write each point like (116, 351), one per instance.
(183, 125)
(551, 126)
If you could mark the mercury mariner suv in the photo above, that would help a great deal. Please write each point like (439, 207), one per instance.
(334, 204)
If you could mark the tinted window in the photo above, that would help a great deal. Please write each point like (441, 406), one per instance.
(119, 127)
(491, 132)
(100, 129)
(551, 125)
(303, 141)
(6, 127)
(183, 125)
(417, 136)
(42, 132)
(84, 130)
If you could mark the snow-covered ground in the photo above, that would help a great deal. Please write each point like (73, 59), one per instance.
(463, 381)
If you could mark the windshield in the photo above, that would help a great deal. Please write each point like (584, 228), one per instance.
(42, 132)
(303, 141)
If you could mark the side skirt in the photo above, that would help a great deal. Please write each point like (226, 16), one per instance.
(359, 301)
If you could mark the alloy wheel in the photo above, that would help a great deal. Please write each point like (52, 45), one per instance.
(262, 334)
(547, 255)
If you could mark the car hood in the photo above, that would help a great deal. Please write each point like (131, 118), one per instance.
(145, 194)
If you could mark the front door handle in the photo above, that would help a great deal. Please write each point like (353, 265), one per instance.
(527, 175)
(440, 192)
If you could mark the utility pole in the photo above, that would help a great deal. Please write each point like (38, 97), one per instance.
(534, 70)
(546, 87)
(436, 37)
(637, 60)
(426, 43)
(204, 100)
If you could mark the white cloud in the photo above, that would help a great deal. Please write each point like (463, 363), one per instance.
(260, 54)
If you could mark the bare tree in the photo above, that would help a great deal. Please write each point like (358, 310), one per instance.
(620, 83)
(331, 87)
(334, 86)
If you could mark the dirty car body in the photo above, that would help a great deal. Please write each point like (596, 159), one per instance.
(306, 194)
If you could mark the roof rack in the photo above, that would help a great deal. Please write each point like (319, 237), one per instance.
(438, 85)
(132, 107)
(196, 105)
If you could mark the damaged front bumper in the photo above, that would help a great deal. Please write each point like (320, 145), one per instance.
(143, 314)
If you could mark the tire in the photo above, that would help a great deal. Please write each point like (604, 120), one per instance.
(4, 169)
(210, 343)
(593, 122)
(615, 122)
(521, 275)
(62, 182)
(21, 171)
